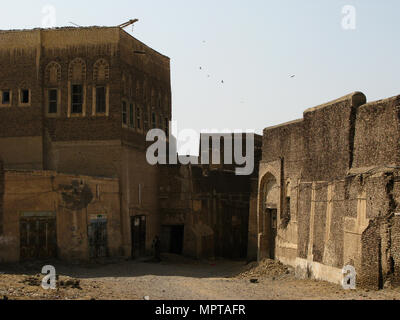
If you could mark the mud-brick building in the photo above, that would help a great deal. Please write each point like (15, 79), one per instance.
(205, 208)
(79, 102)
(48, 215)
(329, 191)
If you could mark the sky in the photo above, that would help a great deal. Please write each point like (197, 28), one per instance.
(253, 46)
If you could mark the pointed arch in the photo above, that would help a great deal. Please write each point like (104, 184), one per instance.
(101, 70)
(77, 70)
(53, 73)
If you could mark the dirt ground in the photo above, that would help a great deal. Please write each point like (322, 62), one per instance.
(175, 278)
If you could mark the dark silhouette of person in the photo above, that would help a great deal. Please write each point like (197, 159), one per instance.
(157, 249)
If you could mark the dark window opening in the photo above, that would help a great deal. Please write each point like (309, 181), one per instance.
(285, 217)
(100, 100)
(124, 118)
(288, 206)
(138, 115)
(131, 116)
(138, 236)
(146, 119)
(24, 96)
(6, 97)
(53, 101)
(166, 127)
(153, 120)
(172, 238)
(77, 98)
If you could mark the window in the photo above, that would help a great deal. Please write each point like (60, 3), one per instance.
(131, 116)
(138, 118)
(53, 101)
(6, 97)
(100, 100)
(24, 94)
(166, 127)
(124, 118)
(153, 120)
(145, 119)
(77, 98)
(288, 206)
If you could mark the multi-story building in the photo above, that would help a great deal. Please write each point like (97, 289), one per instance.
(75, 107)
(80, 101)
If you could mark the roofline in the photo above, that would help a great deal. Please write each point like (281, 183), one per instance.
(163, 55)
(357, 98)
(70, 28)
(284, 124)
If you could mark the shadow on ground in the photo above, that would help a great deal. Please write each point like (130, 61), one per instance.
(171, 265)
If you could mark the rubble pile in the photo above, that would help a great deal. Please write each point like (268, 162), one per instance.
(266, 268)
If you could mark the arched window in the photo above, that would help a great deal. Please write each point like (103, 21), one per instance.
(77, 88)
(53, 91)
(101, 89)
(53, 73)
(101, 71)
(270, 198)
(77, 70)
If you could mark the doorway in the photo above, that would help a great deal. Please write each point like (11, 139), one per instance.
(38, 236)
(97, 232)
(172, 239)
(138, 236)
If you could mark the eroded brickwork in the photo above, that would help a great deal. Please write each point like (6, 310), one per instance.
(80, 101)
(340, 166)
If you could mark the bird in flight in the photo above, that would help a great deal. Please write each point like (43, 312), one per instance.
(292, 76)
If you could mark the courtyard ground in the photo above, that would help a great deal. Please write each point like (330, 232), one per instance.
(175, 278)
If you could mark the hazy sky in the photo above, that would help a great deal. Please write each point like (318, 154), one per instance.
(254, 46)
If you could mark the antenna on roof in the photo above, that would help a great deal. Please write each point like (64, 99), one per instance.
(128, 23)
(76, 25)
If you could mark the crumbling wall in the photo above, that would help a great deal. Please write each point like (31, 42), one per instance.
(73, 200)
(377, 134)
(329, 138)
(348, 189)
(283, 151)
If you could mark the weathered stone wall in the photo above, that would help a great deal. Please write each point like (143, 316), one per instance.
(283, 157)
(344, 162)
(328, 138)
(92, 144)
(377, 134)
(46, 191)
(140, 192)
(217, 208)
